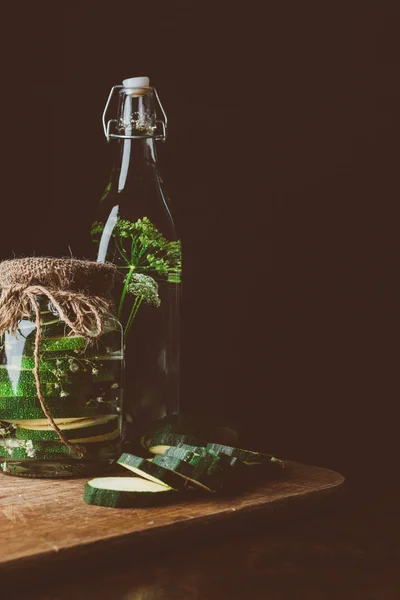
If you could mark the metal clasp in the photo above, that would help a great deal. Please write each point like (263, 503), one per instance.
(107, 124)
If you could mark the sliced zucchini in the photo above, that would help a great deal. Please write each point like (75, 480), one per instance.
(172, 450)
(30, 453)
(186, 467)
(223, 471)
(192, 430)
(159, 474)
(56, 344)
(182, 453)
(22, 454)
(29, 408)
(189, 470)
(78, 423)
(43, 450)
(21, 372)
(246, 456)
(48, 361)
(126, 492)
(30, 449)
(183, 449)
(44, 422)
(162, 439)
(170, 428)
(20, 391)
(86, 428)
(159, 449)
(203, 471)
(202, 451)
(13, 374)
(195, 449)
(229, 466)
(74, 384)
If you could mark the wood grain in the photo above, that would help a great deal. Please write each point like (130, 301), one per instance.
(47, 520)
(350, 550)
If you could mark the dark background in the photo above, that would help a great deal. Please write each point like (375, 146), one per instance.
(282, 166)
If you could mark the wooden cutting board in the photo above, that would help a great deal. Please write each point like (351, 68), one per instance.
(43, 522)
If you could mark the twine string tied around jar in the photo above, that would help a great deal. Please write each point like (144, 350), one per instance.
(83, 313)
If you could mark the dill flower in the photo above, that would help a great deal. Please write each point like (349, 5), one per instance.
(145, 287)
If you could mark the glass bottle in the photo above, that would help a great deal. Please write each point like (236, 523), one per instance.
(134, 230)
(81, 381)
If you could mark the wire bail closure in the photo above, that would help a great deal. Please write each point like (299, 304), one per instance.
(107, 124)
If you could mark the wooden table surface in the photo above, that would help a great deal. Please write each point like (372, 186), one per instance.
(347, 550)
(58, 526)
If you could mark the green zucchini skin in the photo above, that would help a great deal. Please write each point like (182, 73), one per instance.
(211, 471)
(170, 438)
(230, 466)
(63, 343)
(20, 454)
(126, 499)
(205, 470)
(152, 471)
(186, 429)
(29, 408)
(23, 453)
(42, 450)
(27, 449)
(69, 433)
(183, 468)
(195, 449)
(246, 456)
(73, 386)
(24, 376)
(180, 453)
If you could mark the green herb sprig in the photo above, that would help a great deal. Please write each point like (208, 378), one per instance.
(144, 253)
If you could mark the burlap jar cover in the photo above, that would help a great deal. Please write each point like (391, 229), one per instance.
(78, 290)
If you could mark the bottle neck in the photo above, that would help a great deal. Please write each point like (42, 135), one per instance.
(136, 158)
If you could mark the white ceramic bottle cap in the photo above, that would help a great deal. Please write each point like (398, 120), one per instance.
(136, 82)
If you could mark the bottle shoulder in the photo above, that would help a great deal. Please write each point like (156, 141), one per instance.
(134, 229)
(143, 198)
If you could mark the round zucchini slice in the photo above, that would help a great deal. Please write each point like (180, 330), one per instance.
(126, 492)
(85, 428)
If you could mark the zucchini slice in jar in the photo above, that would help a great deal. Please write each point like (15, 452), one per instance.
(85, 428)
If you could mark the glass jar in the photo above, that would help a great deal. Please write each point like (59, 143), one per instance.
(80, 381)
